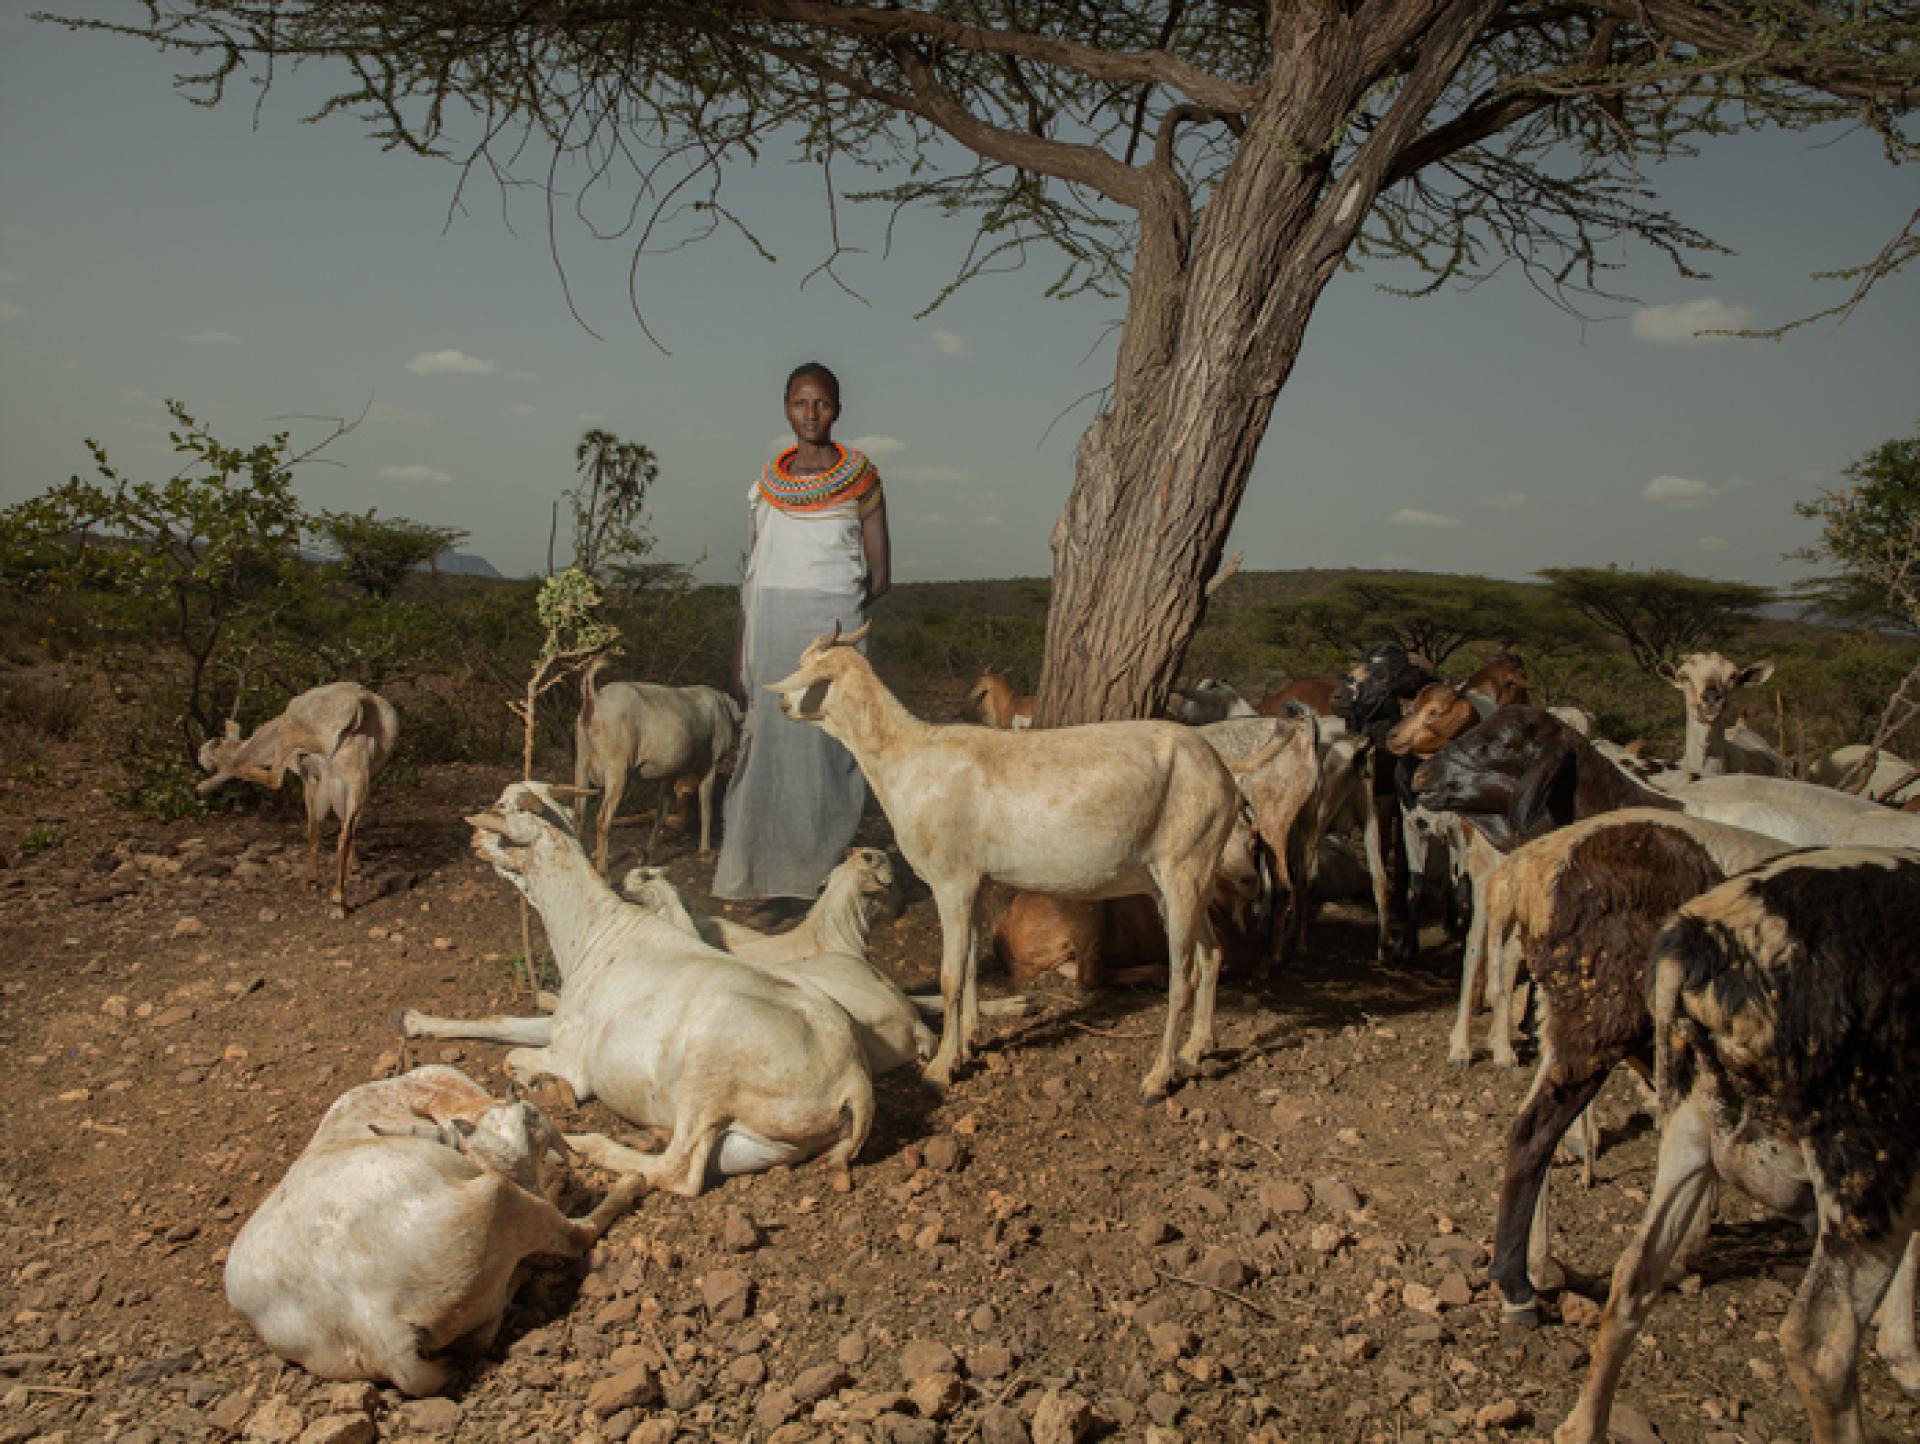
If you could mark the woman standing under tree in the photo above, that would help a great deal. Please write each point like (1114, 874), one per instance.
(819, 555)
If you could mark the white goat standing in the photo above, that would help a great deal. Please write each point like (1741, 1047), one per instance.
(1716, 742)
(1100, 811)
(662, 733)
(338, 738)
(402, 1227)
(828, 949)
(743, 1068)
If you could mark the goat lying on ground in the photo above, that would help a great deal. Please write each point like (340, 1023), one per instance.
(662, 733)
(1582, 905)
(1786, 1011)
(338, 738)
(993, 703)
(828, 949)
(401, 1229)
(743, 1068)
(1716, 742)
(1098, 811)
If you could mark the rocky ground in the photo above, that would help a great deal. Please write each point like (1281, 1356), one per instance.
(1293, 1248)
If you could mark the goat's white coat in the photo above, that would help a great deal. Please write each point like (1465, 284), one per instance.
(1800, 813)
(1892, 779)
(392, 1236)
(742, 1067)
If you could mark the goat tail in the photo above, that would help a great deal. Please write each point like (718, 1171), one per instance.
(856, 1112)
(590, 686)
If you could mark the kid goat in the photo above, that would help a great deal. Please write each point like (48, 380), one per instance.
(1098, 811)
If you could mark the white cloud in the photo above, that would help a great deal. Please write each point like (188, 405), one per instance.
(932, 473)
(214, 338)
(8, 310)
(520, 376)
(519, 408)
(877, 446)
(1408, 516)
(1715, 544)
(948, 343)
(451, 363)
(413, 473)
(1681, 322)
(397, 415)
(1505, 500)
(1681, 491)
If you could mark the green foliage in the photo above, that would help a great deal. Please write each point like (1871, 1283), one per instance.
(213, 549)
(1434, 616)
(42, 837)
(1871, 531)
(1661, 616)
(610, 536)
(376, 555)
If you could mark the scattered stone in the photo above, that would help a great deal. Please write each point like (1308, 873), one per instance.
(904, 1429)
(1223, 1270)
(632, 1386)
(1163, 1408)
(1578, 1311)
(1455, 1292)
(740, 1234)
(428, 1416)
(1170, 1341)
(1630, 1426)
(115, 1007)
(983, 1319)
(1152, 1232)
(1001, 1425)
(1336, 1195)
(1327, 1238)
(1501, 1414)
(358, 1397)
(938, 1395)
(189, 927)
(1420, 1299)
(728, 1295)
(990, 1361)
(944, 1153)
(275, 1422)
(339, 1429)
(776, 1406)
(1062, 1418)
(815, 1384)
(231, 1412)
(852, 1349)
(926, 1356)
(1283, 1198)
(748, 1369)
(172, 1017)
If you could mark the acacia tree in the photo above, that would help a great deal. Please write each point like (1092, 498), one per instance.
(1660, 615)
(377, 555)
(1216, 161)
(610, 503)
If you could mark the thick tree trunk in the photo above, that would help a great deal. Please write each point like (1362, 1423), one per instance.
(1216, 316)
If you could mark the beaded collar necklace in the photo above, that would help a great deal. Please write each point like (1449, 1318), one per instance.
(850, 478)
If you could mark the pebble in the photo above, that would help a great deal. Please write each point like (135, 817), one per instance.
(740, 1234)
(815, 1384)
(1578, 1311)
(990, 1361)
(938, 1395)
(339, 1429)
(1223, 1270)
(852, 1349)
(1063, 1417)
(926, 1356)
(1001, 1425)
(1420, 1299)
(1163, 1408)
(748, 1369)
(1152, 1232)
(275, 1422)
(1170, 1341)
(429, 1416)
(1284, 1198)
(776, 1406)
(944, 1153)
(630, 1388)
(1501, 1414)
(728, 1295)
(1327, 1238)
(189, 927)
(983, 1319)
(1455, 1292)
(1336, 1195)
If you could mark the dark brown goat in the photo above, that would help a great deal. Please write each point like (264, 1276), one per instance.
(1523, 772)
(1585, 906)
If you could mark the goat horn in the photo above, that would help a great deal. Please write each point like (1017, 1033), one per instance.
(852, 638)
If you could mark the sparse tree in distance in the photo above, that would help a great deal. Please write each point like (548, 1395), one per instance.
(1660, 615)
(1217, 162)
(214, 547)
(376, 555)
(1434, 616)
(1871, 531)
(610, 503)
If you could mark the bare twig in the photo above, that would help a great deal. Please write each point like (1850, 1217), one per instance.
(1240, 1299)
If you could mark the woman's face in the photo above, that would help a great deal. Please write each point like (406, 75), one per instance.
(811, 411)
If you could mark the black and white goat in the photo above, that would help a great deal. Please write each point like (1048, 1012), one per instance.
(1786, 1008)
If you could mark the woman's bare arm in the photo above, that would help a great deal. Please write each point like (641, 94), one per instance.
(879, 549)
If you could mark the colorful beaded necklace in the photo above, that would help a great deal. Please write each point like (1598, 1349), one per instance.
(850, 478)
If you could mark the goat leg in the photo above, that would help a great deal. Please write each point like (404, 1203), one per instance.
(1549, 1111)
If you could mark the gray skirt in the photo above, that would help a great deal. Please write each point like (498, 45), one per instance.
(796, 795)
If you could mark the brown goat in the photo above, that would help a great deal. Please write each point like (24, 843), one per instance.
(1438, 713)
(1503, 679)
(992, 703)
(1313, 692)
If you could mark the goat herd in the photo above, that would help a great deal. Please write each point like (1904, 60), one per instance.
(1750, 944)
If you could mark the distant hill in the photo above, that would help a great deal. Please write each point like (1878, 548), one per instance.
(465, 564)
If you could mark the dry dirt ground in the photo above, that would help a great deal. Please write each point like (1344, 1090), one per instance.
(1293, 1248)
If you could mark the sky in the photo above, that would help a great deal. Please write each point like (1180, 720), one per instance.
(269, 274)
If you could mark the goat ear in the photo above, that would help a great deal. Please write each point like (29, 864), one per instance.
(232, 730)
(1753, 675)
(1545, 790)
(1664, 670)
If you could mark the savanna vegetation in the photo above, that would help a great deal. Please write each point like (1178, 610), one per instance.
(139, 614)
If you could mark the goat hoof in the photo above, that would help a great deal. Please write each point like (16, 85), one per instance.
(1549, 1277)
(1508, 1061)
(1520, 1316)
(1460, 1060)
(1907, 1376)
